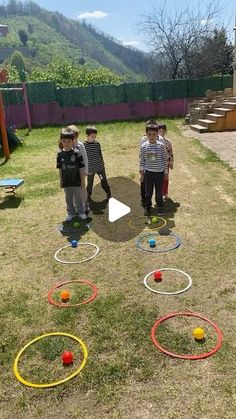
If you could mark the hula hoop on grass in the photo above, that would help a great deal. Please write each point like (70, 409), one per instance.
(63, 305)
(55, 383)
(152, 250)
(167, 292)
(191, 357)
(147, 228)
(79, 261)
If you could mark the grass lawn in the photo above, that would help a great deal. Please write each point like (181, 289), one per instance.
(125, 376)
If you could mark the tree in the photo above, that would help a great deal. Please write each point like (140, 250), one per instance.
(30, 28)
(12, 7)
(23, 36)
(217, 54)
(13, 75)
(66, 74)
(176, 37)
(17, 61)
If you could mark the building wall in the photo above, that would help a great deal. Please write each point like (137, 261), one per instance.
(3, 30)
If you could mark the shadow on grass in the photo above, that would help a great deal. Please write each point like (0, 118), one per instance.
(73, 232)
(98, 207)
(10, 201)
(171, 208)
(3, 160)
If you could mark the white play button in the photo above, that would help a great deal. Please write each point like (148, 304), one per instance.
(116, 210)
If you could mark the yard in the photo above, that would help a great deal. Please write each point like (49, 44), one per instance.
(125, 375)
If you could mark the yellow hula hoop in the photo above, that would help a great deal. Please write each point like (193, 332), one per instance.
(55, 383)
(146, 228)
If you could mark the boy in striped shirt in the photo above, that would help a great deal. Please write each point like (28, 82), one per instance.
(153, 161)
(95, 162)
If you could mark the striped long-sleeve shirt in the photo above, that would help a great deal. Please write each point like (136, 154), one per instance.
(153, 157)
(95, 159)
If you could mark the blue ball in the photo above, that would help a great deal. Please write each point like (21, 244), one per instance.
(74, 243)
(152, 243)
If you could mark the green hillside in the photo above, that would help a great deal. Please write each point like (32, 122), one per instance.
(52, 36)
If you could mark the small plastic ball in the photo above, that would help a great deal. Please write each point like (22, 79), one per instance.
(157, 276)
(155, 220)
(65, 295)
(74, 243)
(152, 243)
(76, 224)
(67, 357)
(198, 333)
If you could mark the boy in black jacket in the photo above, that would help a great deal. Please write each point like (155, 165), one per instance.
(71, 166)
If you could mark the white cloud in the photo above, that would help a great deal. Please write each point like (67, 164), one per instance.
(96, 14)
(131, 43)
(205, 21)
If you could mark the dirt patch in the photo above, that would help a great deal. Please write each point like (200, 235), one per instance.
(222, 143)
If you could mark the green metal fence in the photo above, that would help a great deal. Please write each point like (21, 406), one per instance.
(44, 92)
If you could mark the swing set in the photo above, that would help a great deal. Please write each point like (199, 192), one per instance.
(4, 79)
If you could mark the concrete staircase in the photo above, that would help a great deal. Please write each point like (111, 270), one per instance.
(223, 118)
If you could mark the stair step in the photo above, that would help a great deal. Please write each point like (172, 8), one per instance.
(206, 121)
(215, 115)
(223, 109)
(199, 128)
(228, 103)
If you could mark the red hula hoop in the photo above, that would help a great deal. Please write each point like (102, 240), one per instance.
(63, 305)
(191, 357)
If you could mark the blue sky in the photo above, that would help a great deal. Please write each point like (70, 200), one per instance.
(119, 18)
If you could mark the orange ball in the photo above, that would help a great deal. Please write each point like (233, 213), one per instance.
(65, 295)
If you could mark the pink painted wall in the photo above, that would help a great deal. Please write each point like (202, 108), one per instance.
(53, 113)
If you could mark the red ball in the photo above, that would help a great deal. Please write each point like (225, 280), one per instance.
(158, 276)
(67, 357)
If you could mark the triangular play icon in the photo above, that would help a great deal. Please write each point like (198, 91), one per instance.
(116, 210)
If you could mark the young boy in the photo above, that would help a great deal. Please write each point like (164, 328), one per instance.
(95, 161)
(71, 167)
(80, 146)
(153, 162)
(142, 183)
(170, 157)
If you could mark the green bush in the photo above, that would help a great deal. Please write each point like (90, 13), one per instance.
(66, 74)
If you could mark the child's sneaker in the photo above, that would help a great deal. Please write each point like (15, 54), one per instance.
(161, 211)
(83, 216)
(86, 208)
(147, 213)
(69, 218)
(143, 203)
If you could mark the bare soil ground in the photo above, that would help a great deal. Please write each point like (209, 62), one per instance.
(222, 143)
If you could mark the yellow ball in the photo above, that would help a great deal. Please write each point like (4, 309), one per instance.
(198, 333)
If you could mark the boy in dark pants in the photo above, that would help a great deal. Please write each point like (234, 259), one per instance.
(95, 162)
(142, 184)
(153, 161)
